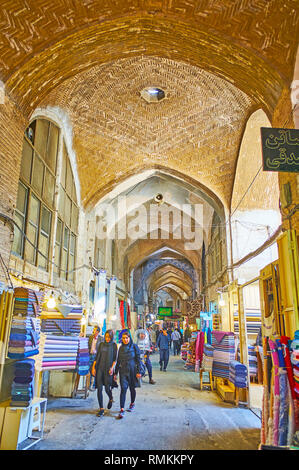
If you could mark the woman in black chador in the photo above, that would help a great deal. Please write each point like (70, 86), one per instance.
(128, 366)
(104, 366)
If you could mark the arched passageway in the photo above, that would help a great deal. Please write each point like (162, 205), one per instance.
(131, 187)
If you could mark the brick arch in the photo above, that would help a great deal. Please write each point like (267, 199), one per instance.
(151, 266)
(154, 272)
(175, 36)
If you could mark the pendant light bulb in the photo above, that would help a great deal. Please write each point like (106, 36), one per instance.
(51, 303)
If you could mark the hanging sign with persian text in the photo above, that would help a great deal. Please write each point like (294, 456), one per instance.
(280, 149)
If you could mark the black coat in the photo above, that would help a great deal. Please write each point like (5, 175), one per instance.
(128, 363)
(106, 355)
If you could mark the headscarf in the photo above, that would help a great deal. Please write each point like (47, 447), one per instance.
(121, 334)
(111, 334)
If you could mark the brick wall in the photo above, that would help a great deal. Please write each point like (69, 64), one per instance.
(12, 125)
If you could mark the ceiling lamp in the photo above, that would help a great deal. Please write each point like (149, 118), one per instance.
(152, 94)
(51, 302)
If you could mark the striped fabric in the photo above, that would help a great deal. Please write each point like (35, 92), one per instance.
(224, 352)
(61, 326)
(25, 325)
(60, 352)
(252, 359)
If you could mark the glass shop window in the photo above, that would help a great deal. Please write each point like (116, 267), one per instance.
(65, 248)
(35, 199)
(20, 219)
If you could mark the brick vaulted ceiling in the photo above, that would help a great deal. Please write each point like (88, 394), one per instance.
(195, 128)
(217, 60)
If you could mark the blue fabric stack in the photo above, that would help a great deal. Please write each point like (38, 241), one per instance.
(238, 374)
(252, 360)
(83, 357)
(23, 384)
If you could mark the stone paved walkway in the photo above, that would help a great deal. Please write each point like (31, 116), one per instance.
(171, 415)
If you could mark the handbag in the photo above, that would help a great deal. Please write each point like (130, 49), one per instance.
(93, 369)
(142, 368)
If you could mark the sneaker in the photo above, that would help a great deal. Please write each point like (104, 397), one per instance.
(121, 414)
(100, 413)
(152, 381)
(110, 403)
(161, 368)
(131, 407)
(164, 370)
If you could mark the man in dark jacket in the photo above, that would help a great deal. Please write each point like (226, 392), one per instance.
(163, 344)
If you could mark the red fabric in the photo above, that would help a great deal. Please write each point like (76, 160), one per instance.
(200, 341)
(122, 314)
(219, 335)
(287, 359)
(129, 317)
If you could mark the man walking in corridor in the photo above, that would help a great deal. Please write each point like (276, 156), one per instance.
(176, 339)
(163, 344)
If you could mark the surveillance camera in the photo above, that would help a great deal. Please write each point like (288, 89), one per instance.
(159, 198)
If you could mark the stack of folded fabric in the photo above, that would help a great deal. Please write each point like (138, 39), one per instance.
(252, 360)
(60, 352)
(224, 352)
(83, 357)
(61, 326)
(25, 326)
(238, 374)
(23, 384)
(207, 362)
(39, 358)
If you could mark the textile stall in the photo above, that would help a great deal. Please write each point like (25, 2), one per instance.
(184, 351)
(18, 417)
(206, 326)
(280, 417)
(190, 362)
(63, 350)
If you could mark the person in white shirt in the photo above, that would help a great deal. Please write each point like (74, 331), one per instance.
(144, 344)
